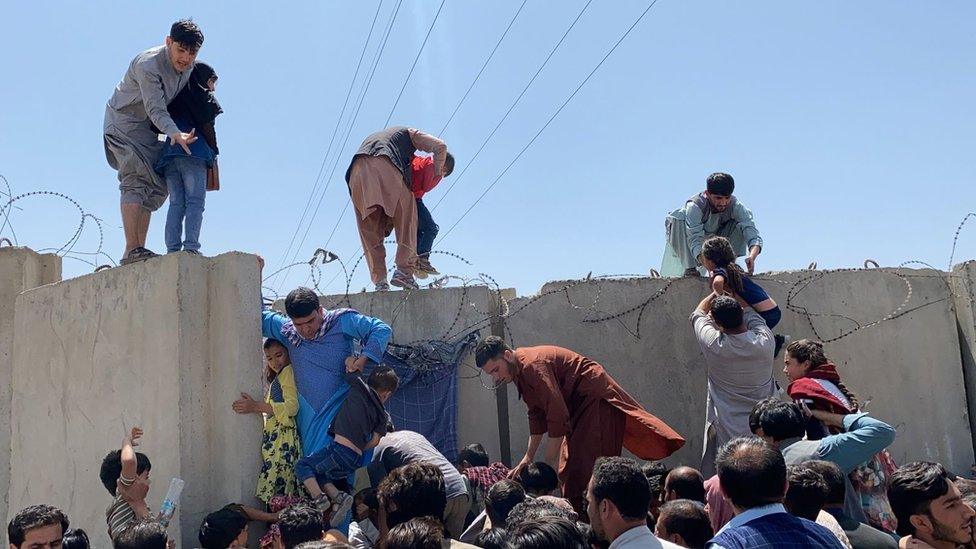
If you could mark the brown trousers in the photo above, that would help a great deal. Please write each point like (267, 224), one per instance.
(598, 431)
(383, 205)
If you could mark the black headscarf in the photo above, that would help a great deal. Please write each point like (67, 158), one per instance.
(196, 100)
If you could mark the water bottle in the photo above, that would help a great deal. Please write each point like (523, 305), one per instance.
(168, 508)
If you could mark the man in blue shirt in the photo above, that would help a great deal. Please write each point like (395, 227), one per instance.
(753, 477)
(319, 343)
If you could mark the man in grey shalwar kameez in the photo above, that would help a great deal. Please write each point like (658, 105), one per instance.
(135, 111)
(738, 350)
(714, 212)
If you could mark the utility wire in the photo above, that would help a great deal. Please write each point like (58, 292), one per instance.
(514, 104)
(345, 207)
(414, 66)
(551, 118)
(483, 66)
(500, 122)
(335, 131)
(352, 122)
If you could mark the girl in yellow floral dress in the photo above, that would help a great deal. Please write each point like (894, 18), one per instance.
(280, 448)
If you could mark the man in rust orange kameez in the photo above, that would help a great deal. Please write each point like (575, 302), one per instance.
(584, 411)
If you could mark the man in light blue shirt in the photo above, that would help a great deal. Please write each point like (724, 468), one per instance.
(715, 212)
(782, 425)
(753, 477)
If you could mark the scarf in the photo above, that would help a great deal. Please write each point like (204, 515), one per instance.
(807, 388)
(329, 318)
(196, 99)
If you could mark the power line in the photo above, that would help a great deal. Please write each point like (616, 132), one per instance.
(483, 66)
(514, 104)
(500, 122)
(414, 66)
(352, 122)
(325, 159)
(345, 207)
(551, 118)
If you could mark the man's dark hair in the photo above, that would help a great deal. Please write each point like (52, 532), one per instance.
(448, 165)
(495, 538)
(720, 184)
(501, 498)
(727, 312)
(686, 483)
(655, 472)
(807, 494)
(489, 348)
(834, 478)
(112, 468)
(539, 478)
(417, 533)
(689, 520)
(548, 533)
(475, 454)
(301, 302)
(751, 472)
(778, 419)
(383, 378)
(143, 534)
(187, 33)
(76, 538)
(621, 481)
(35, 516)
(532, 510)
(416, 490)
(913, 488)
(298, 524)
(220, 528)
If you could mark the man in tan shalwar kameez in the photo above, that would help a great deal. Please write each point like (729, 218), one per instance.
(379, 179)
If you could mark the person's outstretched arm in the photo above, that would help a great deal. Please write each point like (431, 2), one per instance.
(694, 229)
(372, 333)
(750, 232)
(429, 143)
(864, 437)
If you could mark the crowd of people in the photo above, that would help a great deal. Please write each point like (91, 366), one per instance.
(804, 467)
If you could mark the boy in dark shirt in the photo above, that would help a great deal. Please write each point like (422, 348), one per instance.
(357, 427)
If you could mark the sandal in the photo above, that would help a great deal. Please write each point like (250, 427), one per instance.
(138, 254)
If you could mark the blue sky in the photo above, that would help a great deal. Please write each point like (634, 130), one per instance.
(847, 125)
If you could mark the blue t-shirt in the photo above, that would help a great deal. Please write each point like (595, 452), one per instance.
(198, 149)
(752, 293)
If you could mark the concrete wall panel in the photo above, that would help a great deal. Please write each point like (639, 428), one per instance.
(137, 345)
(907, 369)
(20, 269)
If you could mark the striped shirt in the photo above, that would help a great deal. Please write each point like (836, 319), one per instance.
(119, 516)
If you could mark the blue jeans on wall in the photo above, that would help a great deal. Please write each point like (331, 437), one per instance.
(186, 179)
(426, 229)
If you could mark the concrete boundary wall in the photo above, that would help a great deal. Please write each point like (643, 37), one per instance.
(907, 370)
(964, 292)
(165, 344)
(169, 343)
(20, 269)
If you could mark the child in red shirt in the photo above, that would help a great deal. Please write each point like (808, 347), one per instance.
(423, 181)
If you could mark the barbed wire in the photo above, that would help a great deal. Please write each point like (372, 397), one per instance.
(66, 250)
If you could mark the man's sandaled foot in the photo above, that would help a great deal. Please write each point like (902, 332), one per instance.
(138, 254)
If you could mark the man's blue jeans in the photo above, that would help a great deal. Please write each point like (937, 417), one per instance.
(186, 179)
(426, 229)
